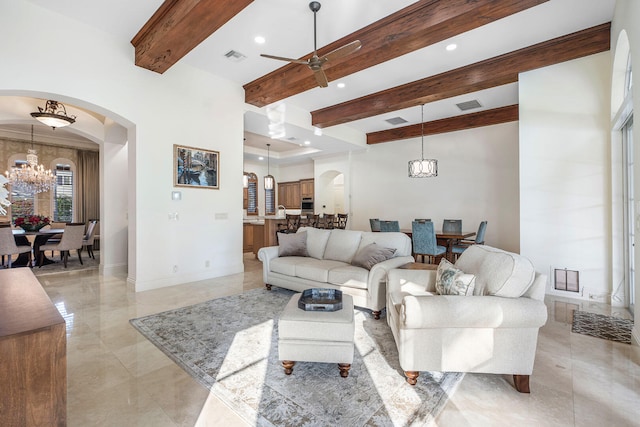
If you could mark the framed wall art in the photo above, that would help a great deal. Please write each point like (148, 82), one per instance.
(196, 167)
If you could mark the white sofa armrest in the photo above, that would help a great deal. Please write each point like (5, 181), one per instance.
(425, 279)
(266, 254)
(452, 311)
(377, 280)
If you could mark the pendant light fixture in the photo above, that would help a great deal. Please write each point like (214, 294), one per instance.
(30, 177)
(423, 168)
(268, 180)
(53, 114)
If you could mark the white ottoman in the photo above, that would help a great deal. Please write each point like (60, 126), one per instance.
(316, 336)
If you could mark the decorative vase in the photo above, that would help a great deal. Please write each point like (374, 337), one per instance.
(31, 227)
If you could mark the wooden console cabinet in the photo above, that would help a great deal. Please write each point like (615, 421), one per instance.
(33, 353)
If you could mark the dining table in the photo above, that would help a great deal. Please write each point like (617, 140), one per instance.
(447, 239)
(41, 238)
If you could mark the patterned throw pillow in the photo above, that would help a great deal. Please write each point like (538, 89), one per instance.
(451, 281)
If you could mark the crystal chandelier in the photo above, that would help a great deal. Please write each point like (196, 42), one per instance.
(31, 178)
(423, 168)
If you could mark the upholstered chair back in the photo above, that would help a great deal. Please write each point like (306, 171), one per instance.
(423, 237)
(480, 235)
(375, 224)
(387, 226)
(452, 226)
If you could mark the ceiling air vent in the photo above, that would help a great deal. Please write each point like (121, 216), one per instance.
(469, 105)
(235, 56)
(396, 121)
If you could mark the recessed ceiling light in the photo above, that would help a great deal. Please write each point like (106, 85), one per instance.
(341, 85)
(451, 47)
(259, 40)
(307, 142)
(317, 131)
(260, 158)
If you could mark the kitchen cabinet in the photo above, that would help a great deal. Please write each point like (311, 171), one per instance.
(306, 188)
(290, 194)
(247, 237)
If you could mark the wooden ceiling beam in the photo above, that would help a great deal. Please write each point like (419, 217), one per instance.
(177, 27)
(485, 74)
(494, 116)
(419, 25)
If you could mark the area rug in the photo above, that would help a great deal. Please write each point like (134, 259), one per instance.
(601, 326)
(73, 264)
(230, 346)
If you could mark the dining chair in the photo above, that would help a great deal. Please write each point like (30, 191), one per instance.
(460, 247)
(374, 223)
(341, 221)
(422, 219)
(452, 226)
(89, 237)
(9, 247)
(56, 237)
(389, 226)
(423, 238)
(71, 240)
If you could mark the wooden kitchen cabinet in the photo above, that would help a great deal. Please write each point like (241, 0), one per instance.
(247, 237)
(306, 188)
(289, 194)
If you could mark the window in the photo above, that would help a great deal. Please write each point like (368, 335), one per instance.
(251, 194)
(22, 202)
(270, 200)
(63, 202)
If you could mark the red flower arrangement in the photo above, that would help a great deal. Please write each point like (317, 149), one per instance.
(31, 222)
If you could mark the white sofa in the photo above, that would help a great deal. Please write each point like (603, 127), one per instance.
(494, 330)
(328, 264)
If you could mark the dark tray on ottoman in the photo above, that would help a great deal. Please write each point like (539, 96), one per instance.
(319, 299)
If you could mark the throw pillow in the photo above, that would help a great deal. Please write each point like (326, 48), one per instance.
(452, 281)
(372, 254)
(292, 244)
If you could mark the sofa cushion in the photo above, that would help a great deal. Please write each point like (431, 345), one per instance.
(316, 240)
(453, 281)
(342, 245)
(497, 272)
(372, 254)
(286, 265)
(293, 244)
(315, 269)
(349, 275)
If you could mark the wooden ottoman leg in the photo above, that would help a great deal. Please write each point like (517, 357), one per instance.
(344, 369)
(522, 383)
(268, 286)
(288, 366)
(376, 314)
(412, 377)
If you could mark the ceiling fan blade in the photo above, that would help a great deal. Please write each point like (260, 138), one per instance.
(321, 77)
(281, 58)
(343, 51)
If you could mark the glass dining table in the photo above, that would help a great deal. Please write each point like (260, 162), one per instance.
(41, 237)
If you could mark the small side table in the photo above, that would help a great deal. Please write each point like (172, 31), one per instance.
(418, 266)
(316, 336)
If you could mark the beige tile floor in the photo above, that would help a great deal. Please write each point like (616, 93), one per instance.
(117, 378)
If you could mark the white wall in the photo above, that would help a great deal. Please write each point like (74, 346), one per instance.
(477, 180)
(564, 170)
(183, 106)
(626, 17)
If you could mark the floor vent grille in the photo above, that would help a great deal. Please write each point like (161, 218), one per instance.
(566, 280)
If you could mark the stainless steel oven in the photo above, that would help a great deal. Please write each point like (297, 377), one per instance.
(307, 206)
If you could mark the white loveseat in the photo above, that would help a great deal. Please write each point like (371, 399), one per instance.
(494, 330)
(328, 264)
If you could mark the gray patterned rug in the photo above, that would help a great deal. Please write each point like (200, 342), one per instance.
(230, 346)
(601, 326)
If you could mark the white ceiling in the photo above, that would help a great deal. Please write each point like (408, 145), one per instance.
(287, 26)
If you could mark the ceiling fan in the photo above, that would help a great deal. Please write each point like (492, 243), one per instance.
(316, 62)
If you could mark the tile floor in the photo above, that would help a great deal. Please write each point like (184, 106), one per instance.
(117, 378)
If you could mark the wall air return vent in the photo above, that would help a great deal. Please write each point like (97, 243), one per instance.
(235, 56)
(566, 280)
(396, 121)
(469, 105)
